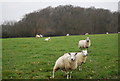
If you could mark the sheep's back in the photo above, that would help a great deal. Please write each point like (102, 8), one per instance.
(62, 61)
(82, 43)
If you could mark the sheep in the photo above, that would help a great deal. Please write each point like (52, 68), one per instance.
(66, 63)
(81, 58)
(67, 35)
(41, 35)
(84, 43)
(106, 32)
(47, 39)
(37, 36)
(86, 33)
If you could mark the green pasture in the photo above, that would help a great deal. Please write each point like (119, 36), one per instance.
(33, 58)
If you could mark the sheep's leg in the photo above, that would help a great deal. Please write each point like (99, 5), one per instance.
(70, 74)
(80, 68)
(67, 75)
(53, 73)
(54, 70)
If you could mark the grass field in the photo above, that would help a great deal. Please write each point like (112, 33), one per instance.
(31, 58)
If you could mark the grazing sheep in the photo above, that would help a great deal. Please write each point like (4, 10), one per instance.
(66, 63)
(47, 39)
(84, 43)
(41, 35)
(37, 36)
(106, 32)
(67, 35)
(81, 58)
(86, 33)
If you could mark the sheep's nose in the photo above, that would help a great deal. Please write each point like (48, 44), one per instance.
(72, 59)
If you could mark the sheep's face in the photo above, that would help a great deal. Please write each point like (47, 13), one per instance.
(85, 52)
(72, 56)
(87, 39)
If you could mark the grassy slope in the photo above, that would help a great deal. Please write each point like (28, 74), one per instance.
(31, 58)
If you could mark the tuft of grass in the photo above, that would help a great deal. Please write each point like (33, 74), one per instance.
(31, 58)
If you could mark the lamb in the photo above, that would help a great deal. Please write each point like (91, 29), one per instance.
(67, 34)
(47, 39)
(66, 63)
(84, 43)
(37, 36)
(81, 58)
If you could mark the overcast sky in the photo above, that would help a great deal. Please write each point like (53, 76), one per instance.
(14, 10)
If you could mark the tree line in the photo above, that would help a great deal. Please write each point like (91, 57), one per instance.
(63, 19)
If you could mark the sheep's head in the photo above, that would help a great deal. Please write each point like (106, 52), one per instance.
(72, 56)
(88, 39)
(85, 52)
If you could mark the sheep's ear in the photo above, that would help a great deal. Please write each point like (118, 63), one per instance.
(69, 53)
(75, 53)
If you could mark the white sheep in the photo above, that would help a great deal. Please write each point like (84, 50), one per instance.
(86, 33)
(66, 63)
(81, 58)
(84, 43)
(106, 32)
(47, 39)
(41, 35)
(67, 34)
(37, 36)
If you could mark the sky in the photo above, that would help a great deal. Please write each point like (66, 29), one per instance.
(14, 10)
